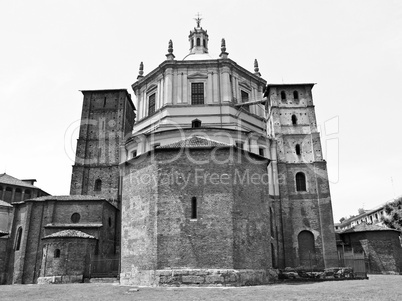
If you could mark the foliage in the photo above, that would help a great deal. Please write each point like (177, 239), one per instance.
(394, 214)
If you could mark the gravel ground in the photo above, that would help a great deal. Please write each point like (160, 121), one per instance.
(378, 287)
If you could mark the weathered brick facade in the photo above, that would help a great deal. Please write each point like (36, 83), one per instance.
(40, 217)
(107, 118)
(231, 230)
(307, 208)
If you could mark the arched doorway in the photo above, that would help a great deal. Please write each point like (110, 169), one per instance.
(306, 248)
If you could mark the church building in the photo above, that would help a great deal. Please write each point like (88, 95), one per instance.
(211, 176)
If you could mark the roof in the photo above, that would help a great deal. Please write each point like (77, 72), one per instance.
(7, 179)
(195, 142)
(70, 233)
(197, 57)
(294, 84)
(111, 90)
(69, 198)
(5, 204)
(363, 227)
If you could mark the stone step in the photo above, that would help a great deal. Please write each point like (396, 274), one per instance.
(102, 280)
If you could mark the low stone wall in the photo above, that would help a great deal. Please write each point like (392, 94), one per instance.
(199, 277)
(61, 279)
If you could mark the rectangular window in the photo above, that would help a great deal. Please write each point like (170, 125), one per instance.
(151, 104)
(134, 153)
(197, 93)
(261, 151)
(244, 98)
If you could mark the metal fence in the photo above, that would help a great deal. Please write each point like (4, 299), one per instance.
(104, 267)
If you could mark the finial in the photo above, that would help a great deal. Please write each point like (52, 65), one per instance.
(170, 55)
(170, 47)
(224, 54)
(256, 69)
(198, 20)
(223, 45)
(141, 71)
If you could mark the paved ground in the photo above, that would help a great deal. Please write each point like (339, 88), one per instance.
(378, 287)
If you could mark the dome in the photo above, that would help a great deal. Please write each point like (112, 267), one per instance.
(197, 57)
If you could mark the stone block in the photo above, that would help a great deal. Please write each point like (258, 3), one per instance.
(214, 279)
(192, 279)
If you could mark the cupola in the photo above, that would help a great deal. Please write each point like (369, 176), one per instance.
(198, 39)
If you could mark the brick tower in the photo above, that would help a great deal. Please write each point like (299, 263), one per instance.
(304, 208)
(107, 118)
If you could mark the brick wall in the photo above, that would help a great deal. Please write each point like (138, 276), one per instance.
(231, 230)
(382, 248)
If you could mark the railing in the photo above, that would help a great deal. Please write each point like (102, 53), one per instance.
(104, 267)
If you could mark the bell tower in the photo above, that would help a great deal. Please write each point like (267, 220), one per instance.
(107, 118)
(304, 196)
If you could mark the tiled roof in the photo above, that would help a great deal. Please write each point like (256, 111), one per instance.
(195, 142)
(5, 204)
(69, 198)
(70, 233)
(7, 179)
(367, 227)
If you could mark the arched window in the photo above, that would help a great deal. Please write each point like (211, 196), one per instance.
(8, 194)
(198, 42)
(193, 207)
(18, 195)
(295, 95)
(196, 123)
(294, 119)
(18, 239)
(306, 247)
(98, 185)
(57, 253)
(298, 149)
(75, 217)
(283, 95)
(300, 182)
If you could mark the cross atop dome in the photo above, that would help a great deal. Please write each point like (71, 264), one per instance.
(198, 20)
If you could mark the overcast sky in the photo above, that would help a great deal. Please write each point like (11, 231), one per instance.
(352, 49)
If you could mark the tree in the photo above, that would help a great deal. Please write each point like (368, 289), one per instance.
(361, 211)
(394, 214)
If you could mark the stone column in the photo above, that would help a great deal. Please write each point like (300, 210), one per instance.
(168, 86)
(225, 84)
